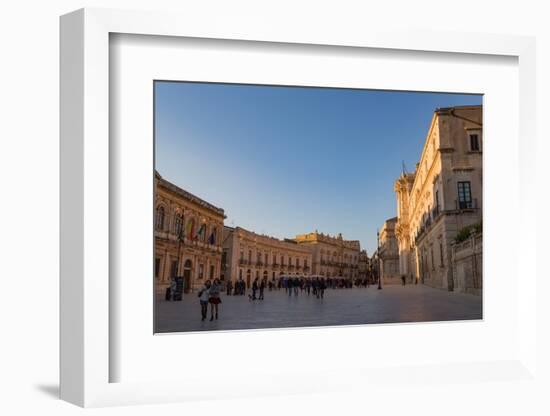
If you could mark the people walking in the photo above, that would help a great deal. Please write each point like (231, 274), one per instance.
(321, 288)
(173, 286)
(204, 296)
(229, 286)
(254, 288)
(239, 287)
(214, 298)
(262, 288)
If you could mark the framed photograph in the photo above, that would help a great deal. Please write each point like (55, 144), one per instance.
(249, 205)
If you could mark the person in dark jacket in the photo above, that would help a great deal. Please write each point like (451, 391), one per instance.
(254, 288)
(262, 288)
(321, 288)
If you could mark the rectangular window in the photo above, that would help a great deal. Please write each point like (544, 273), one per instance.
(441, 261)
(464, 195)
(201, 271)
(157, 267)
(474, 142)
(432, 256)
(211, 272)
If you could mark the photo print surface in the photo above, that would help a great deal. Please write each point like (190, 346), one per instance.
(284, 207)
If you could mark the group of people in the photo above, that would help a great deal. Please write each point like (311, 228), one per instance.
(316, 285)
(258, 286)
(210, 294)
(237, 289)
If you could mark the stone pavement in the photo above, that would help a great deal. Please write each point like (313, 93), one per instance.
(392, 304)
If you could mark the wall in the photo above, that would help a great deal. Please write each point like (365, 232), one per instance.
(468, 266)
(29, 172)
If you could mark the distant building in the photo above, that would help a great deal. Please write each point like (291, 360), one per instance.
(187, 236)
(249, 255)
(441, 197)
(332, 256)
(389, 253)
(363, 265)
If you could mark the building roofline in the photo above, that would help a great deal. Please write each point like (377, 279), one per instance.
(437, 112)
(188, 195)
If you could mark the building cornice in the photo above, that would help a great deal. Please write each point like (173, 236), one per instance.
(169, 186)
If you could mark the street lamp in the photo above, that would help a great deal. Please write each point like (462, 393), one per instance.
(378, 260)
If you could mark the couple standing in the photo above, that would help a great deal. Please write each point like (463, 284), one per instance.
(210, 294)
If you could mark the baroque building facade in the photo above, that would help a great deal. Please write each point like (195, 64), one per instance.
(248, 255)
(389, 253)
(441, 197)
(188, 233)
(332, 256)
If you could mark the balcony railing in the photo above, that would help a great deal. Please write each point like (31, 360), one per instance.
(243, 262)
(432, 216)
(464, 205)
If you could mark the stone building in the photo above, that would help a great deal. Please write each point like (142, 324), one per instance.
(248, 255)
(389, 253)
(188, 234)
(363, 265)
(332, 256)
(467, 261)
(441, 197)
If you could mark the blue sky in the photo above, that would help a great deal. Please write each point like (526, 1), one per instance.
(285, 161)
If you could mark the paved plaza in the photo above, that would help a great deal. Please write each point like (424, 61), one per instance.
(392, 304)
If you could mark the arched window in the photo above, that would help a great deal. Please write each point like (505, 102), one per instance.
(159, 220)
(178, 224)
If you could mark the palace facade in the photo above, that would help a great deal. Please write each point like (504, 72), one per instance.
(389, 253)
(248, 255)
(188, 233)
(442, 196)
(332, 256)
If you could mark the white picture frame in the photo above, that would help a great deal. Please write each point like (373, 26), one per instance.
(86, 302)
